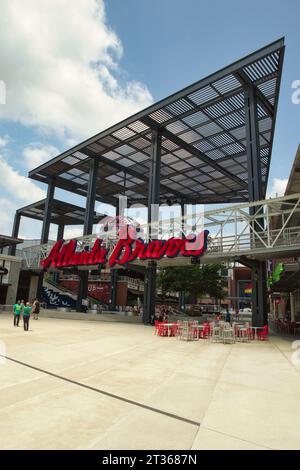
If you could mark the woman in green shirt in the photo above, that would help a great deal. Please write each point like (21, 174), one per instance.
(26, 315)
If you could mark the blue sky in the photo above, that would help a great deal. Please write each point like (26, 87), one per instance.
(169, 44)
(141, 51)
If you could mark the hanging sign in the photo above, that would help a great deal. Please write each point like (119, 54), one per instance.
(126, 251)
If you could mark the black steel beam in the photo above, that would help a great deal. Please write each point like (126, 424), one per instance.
(15, 233)
(246, 82)
(278, 84)
(68, 207)
(88, 228)
(47, 212)
(256, 193)
(259, 295)
(215, 199)
(60, 232)
(91, 198)
(194, 151)
(149, 292)
(114, 274)
(113, 288)
(153, 198)
(46, 228)
(253, 149)
(154, 180)
(129, 171)
(82, 289)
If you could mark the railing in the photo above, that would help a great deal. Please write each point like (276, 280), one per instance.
(265, 228)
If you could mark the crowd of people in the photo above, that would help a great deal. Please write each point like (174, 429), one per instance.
(25, 309)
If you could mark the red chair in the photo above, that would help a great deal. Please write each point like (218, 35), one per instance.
(156, 326)
(205, 332)
(263, 334)
(174, 330)
(162, 330)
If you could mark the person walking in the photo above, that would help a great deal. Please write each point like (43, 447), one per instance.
(36, 309)
(228, 316)
(26, 315)
(17, 312)
(22, 306)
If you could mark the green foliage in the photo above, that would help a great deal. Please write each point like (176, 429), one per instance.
(276, 275)
(196, 280)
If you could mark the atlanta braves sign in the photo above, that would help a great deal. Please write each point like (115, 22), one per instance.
(125, 251)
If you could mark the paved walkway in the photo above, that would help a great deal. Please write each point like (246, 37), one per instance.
(90, 385)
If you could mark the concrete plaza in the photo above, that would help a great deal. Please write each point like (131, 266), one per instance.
(72, 384)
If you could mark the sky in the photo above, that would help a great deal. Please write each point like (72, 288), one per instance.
(71, 69)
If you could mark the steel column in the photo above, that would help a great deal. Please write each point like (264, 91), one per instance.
(91, 197)
(149, 292)
(253, 157)
(255, 187)
(259, 295)
(47, 212)
(46, 228)
(15, 233)
(114, 273)
(153, 198)
(59, 236)
(82, 288)
(113, 288)
(60, 232)
(88, 228)
(182, 293)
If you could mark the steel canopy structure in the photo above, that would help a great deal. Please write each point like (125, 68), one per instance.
(205, 138)
(208, 143)
(62, 213)
(6, 241)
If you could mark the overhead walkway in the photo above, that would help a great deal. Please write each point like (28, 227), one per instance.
(242, 232)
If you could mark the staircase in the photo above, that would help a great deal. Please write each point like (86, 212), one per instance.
(58, 288)
(55, 295)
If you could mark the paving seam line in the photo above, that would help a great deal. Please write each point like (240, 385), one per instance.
(103, 392)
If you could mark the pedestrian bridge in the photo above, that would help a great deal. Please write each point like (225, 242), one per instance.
(261, 230)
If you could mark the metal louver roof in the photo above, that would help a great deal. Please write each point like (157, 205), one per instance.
(62, 213)
(203, 158)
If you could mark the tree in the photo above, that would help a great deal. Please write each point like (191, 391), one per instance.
(196, 280)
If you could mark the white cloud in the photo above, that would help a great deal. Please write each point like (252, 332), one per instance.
(16, 191)
(59, 61)
(60, 66)
(73, 232)
(37, 153)
(19, 187)
(3, 142)
(7, 210)
(278, 187)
